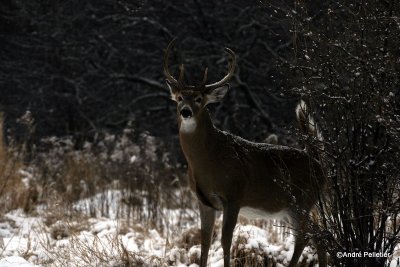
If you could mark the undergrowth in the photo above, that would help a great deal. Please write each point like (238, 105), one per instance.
(59, 174)
(126, 177)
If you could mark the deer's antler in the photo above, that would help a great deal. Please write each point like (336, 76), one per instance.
(232, 65)
(167, 73)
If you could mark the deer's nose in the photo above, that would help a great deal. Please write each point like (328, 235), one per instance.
(186, 113)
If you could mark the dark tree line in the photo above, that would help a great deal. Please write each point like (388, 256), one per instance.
(84, 67)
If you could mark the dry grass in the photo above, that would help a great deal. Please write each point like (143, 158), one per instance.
(15, 192)
(86, 248)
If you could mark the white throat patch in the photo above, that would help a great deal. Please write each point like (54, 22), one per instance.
(188, 125)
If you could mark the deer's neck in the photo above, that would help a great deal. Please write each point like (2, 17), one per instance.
(197, 142)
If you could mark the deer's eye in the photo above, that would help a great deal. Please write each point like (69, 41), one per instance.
(198, 100)
(180, 99)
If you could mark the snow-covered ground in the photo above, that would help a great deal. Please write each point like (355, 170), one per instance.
(28, 241)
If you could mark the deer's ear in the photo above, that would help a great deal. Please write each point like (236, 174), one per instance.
(217, 94)
(172, 90)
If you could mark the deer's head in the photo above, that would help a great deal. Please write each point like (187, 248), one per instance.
(192, 99)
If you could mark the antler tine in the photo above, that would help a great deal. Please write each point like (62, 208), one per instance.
(205, 76)
(167, 74)
(232, 65)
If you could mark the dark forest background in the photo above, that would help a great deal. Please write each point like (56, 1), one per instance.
(85, 69)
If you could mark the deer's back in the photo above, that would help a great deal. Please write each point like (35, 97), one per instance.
(274, 175)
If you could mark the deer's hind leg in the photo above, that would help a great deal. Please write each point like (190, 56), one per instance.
(299, 244)
(322, 257)
(301, 228)
(299, 224)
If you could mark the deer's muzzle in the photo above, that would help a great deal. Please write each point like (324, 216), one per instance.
(186, 113)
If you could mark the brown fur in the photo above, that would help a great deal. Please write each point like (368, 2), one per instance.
(228, 173)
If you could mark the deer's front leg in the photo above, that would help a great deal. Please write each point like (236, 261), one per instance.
(231, 212)
(207, 217)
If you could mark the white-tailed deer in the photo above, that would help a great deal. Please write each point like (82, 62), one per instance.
(231, 174)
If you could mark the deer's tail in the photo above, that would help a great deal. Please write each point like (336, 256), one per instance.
(308, 125)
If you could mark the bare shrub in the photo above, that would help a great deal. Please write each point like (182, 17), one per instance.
(347, 66)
